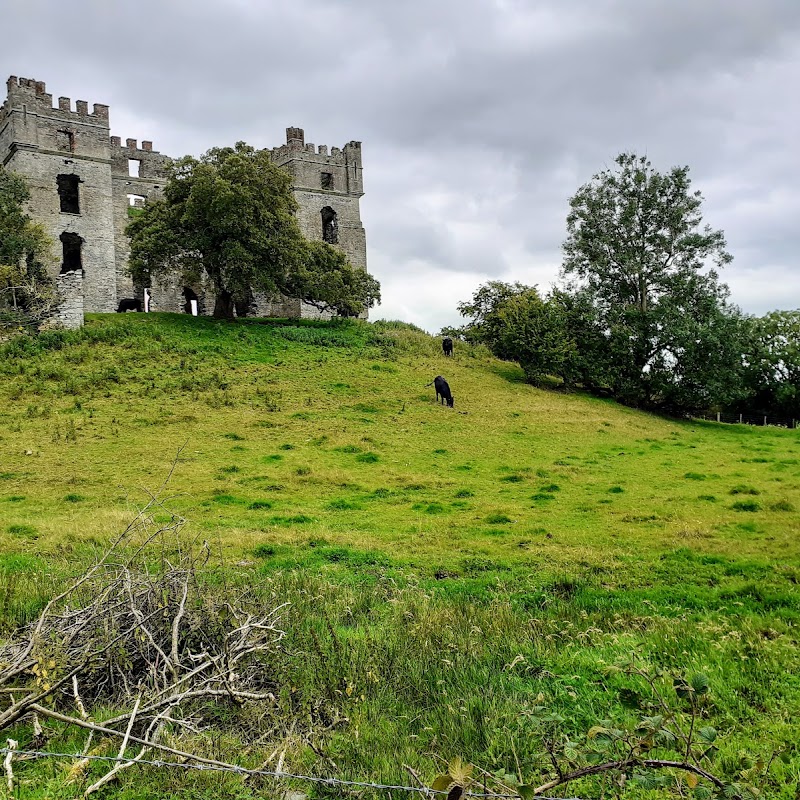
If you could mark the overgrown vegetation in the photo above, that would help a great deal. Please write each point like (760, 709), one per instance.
(27, 294)
(529, 577)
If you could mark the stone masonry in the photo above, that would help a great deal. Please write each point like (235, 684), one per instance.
(84, 182)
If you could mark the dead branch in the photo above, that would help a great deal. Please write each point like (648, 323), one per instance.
(159, 643)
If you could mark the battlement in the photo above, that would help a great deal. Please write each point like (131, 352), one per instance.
(152, 164)
(131, 144)
(32, 93)
(297, 147)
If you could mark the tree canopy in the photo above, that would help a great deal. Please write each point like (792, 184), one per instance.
(230, 215)
(773, 364)
(642, 266)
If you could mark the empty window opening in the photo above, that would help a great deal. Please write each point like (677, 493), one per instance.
(191, 306)
(68, 193)
(136, 200)
(326, 180)
(71, 245)
(330, 226)
(133, 167)
(66, 139)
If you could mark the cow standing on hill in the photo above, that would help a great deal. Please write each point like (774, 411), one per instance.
(447, 346)
(129, 304)
(442, 390)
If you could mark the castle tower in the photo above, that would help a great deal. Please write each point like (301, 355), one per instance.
(64, 155)
(327, 187)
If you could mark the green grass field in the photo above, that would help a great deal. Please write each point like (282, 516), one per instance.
(470, 560)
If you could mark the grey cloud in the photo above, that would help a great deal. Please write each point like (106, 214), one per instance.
(479, 118)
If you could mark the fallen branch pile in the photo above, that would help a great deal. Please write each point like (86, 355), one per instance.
(142, 630)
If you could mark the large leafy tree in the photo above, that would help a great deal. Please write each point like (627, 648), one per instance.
(230, 215)
(27, 293)
(517, 324)
(643, 267)
(773, 364)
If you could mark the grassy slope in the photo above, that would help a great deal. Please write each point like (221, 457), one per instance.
(319, 447)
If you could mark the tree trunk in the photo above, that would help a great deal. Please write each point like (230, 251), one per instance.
(223, 306)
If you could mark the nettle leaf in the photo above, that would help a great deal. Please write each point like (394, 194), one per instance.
(459, 771)
(442, 783)
(683, 688)
(710, 752)
(703, 792)
(526, 791)
(597, 730)
(708, 734)
(571, 751)
(650, 724)
(700, 683)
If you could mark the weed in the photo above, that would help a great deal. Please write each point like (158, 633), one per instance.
(23, 531)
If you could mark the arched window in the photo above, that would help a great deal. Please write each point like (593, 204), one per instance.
(330, 226)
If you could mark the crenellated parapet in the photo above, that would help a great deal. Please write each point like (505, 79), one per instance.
(337, 170)
(33, 95)
(297, 147)
(152, 165)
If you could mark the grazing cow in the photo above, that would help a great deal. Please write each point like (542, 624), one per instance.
(447, 346)
(129, 304)
(442, 390)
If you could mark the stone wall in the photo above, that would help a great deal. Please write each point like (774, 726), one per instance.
(69, 311)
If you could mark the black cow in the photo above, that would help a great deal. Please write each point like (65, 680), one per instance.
(447, 346)
(129, 304)
(442, 390)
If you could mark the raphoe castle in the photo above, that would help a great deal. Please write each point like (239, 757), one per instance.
(83, 183)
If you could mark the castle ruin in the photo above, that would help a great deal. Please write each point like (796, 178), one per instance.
(84, 183)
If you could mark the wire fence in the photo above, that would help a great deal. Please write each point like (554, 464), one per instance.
(263, 773)
(748, 419)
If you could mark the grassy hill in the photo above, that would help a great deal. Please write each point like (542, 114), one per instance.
(524, 540)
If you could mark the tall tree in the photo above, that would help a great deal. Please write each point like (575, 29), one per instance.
(639, 255)
(230, 215)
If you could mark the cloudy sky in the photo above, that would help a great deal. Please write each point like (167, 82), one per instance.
(479, 118)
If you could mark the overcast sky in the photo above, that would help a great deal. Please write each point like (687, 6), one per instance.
(479, 118)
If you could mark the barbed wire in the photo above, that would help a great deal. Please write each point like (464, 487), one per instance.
(237, 770)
